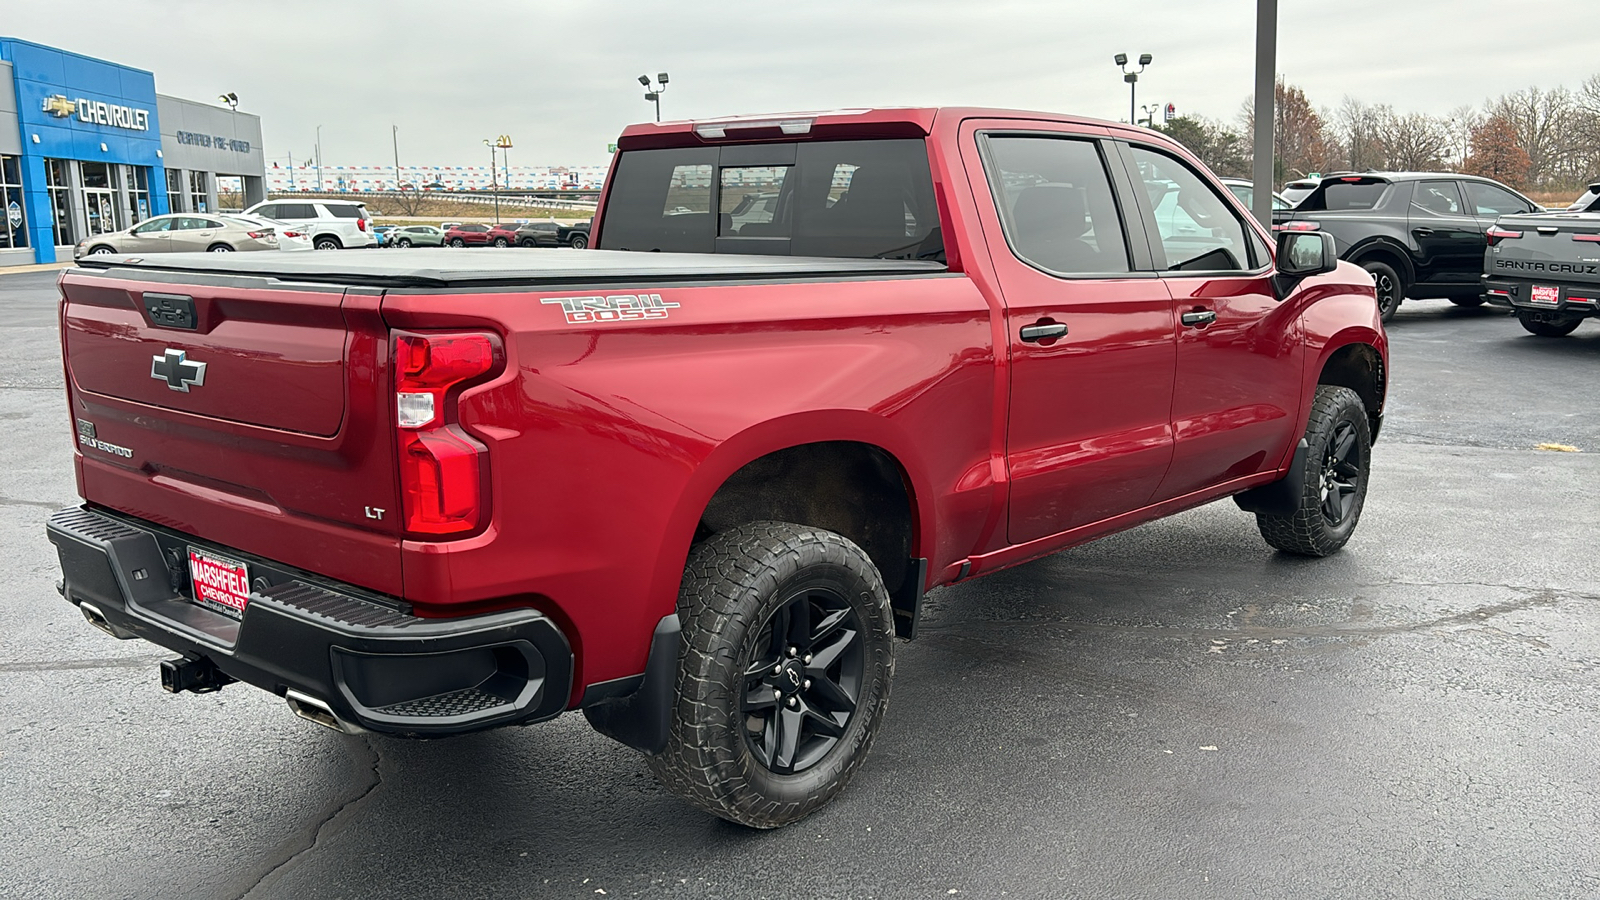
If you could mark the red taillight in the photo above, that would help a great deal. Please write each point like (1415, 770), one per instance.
(441, 466)
(1496, 234)
(1591, 238)
(258, 235)
(361, 224)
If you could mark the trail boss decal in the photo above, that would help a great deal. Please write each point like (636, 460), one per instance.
(612, 308)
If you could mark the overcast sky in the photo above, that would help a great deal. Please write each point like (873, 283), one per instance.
(559, 78)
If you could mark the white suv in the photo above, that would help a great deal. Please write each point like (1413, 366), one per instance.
(332, 224)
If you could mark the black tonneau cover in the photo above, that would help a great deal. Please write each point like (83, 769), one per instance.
(522, 267)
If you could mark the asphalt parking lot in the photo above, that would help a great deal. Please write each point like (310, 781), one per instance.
(1176, 711)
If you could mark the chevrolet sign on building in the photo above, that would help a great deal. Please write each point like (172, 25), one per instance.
(88, 147)
(98, 112)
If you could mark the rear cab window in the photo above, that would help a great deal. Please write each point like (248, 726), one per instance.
(858, 199)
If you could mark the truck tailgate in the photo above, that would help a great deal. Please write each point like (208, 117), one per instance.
(1551, 248)
(249, 414)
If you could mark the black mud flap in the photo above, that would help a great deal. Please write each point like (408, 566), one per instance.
(642, 718)
(1281, 497)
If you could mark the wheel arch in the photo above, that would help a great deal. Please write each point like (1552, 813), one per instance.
(1360, 366)
(1388, 251)
(837, 470)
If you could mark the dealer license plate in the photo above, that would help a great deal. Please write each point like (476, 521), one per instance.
(1549, 296)
(220, 583)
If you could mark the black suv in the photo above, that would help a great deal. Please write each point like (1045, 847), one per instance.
(1419, 234)
(553, 234)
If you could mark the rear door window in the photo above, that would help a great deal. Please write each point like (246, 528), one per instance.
(1438, 197)
(1056, 205)
(296, 211)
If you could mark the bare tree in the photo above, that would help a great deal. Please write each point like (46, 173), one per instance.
(1411, 142)
(1356, 127)
(1543, 122)
(1460, 124)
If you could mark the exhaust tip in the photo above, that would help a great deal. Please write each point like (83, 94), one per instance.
(96, 618)
(313, 710)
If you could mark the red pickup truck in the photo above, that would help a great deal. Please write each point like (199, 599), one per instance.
(695, 482)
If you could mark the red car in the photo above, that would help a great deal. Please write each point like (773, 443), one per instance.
(697, 493)
(470, 234)
(503, 234)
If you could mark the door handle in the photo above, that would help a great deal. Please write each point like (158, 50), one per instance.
(1422, 232)
(1042, 331)
(1198, 317)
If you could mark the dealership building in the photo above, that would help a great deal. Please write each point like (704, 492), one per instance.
(87, 146)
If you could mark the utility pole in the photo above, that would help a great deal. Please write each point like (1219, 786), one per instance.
(395, 135)
(1261, 168)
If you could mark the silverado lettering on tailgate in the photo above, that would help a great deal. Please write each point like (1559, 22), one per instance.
(613, 308)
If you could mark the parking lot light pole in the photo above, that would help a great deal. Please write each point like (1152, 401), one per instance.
(1261, 168)
(494, 183)
(653, 95)
(394, 133)
(319, 159)
(1132, 78)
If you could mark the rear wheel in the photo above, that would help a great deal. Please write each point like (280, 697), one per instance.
(328, 242)
(1548, 324)
(457, 242)
(527, 242)
(580, 241)
(501, 242)
(1468, 301)
(219, 248)
(783, 674)
(1390, 286)
(403, 242)
(1334, 480)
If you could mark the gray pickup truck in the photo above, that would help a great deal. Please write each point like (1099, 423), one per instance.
(1545, 267)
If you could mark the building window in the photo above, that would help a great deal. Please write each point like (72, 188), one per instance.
(58, 182)
(198, 193)
(137, 178)
(13, 221)
(175, 190)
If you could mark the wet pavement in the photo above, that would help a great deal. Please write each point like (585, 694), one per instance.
(1176, 711)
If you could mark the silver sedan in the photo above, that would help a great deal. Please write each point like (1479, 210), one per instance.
(182, 233)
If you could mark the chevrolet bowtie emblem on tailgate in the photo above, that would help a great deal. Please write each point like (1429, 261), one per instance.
(179, 373)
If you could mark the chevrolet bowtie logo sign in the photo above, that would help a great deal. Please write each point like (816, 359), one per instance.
(179, 373)
(59, 106)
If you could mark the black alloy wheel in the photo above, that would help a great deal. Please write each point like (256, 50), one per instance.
(1391, 289)
(801, 686)
(1332, 484)
(786, 656)
(1341, 474)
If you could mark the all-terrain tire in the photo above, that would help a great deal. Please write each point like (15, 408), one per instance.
(1338, 460)
(735, 586)
(1391, 288)
(1544, 327)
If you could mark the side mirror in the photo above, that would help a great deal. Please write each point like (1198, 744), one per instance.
(1306, 253)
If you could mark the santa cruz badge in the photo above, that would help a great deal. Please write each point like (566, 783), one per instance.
(612, 308)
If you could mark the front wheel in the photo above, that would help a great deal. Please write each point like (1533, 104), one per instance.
(1390, 287)
(783, 674)
(1334, 479)
(580, 241)
(1548, 325)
